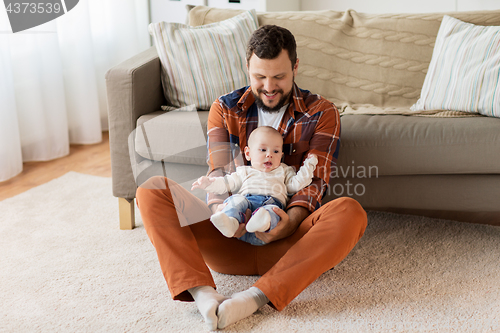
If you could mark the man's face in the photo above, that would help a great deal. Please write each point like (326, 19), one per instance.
(271, 80)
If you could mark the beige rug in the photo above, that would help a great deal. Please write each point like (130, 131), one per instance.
(65, 267)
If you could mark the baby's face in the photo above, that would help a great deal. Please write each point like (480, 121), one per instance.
(265, 152)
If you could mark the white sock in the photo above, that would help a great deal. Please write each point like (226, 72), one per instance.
(240, 305)
(260, 221)
(226, 225)
(207, 300)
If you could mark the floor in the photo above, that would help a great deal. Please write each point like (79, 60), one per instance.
(89, 159)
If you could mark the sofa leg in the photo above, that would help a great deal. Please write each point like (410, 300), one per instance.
(127, 215)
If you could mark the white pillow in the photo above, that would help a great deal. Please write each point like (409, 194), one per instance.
(464, 71)
(199, 64)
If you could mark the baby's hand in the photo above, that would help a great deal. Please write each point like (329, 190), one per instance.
(203, 182)
(312, 158)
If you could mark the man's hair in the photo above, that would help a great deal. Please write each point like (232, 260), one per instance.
(268, 41)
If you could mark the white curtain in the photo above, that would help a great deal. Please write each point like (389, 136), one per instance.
(52, 88)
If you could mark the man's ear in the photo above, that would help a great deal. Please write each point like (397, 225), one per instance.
(296, 67)
(247, 153)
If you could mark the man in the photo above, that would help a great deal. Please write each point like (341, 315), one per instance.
(309, 238)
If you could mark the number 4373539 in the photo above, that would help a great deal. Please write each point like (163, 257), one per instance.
(27, 7)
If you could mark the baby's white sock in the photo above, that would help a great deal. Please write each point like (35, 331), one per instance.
(207, 300)
(226, 225)
(241, 305)
(260, 221)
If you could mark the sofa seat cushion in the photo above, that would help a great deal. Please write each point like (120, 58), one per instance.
(402, 145)
(173, 136)
(371, 146)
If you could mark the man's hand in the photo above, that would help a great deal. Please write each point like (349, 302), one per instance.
(289, 222)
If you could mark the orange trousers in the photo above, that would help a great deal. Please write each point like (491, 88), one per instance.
(286, 266)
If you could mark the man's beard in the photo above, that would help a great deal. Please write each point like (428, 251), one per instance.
(260, 103)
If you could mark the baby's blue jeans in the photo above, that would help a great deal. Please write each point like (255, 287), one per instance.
(238, 204)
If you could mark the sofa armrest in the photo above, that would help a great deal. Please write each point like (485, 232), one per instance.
(133, 89)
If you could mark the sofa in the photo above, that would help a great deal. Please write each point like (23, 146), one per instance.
(437, 163)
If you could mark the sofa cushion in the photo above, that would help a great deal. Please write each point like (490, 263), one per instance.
(199, 64)
(173, 136)
(402, 145)
(371, 146)
(357, 58)
(464, 72)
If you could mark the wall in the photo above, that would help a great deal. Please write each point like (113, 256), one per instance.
(174, 11)
(400, 6)
(171, 11)
(478, 4)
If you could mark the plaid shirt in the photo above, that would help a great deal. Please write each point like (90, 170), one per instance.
(311, 124)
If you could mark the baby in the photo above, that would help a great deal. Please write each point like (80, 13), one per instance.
(263, 185)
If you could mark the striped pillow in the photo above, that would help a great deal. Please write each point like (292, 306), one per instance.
(464, 71)
(199, 64)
